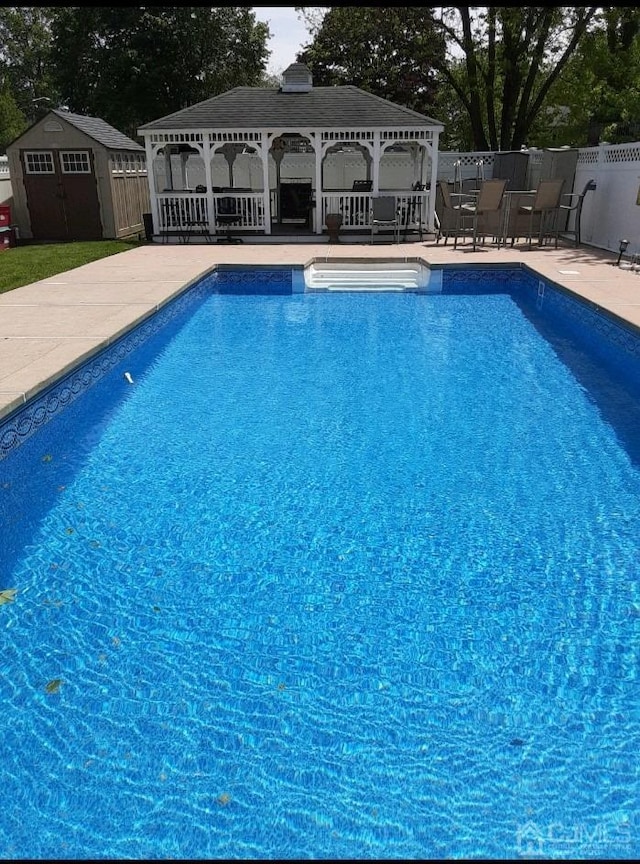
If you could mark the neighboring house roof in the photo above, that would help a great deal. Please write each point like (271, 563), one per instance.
(99, 130)
(264, 107)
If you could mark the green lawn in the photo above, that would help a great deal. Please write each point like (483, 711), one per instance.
(25, 264)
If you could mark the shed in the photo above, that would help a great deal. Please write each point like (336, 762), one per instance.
(76, 177)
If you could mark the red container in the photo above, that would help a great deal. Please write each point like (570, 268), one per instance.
(5, 215)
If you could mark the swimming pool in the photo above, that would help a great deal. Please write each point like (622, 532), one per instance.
(337, 576)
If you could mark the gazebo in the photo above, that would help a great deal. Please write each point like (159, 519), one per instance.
(290, 156)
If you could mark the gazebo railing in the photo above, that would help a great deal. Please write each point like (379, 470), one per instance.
(250, 207)
(354, 207)
(177, 211)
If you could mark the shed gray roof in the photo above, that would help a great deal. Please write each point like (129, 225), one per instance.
(267, 108)
(99, 130)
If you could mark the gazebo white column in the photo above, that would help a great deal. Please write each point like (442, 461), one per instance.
(277, 156)
(368, 160)
(183, 170)
(230, 152)
(416, 150)
(208, 181)
(432, 149)
(266, 193)
(151, 179)
(376, 163)
(316, 141)
(323, 150)
(168, 171)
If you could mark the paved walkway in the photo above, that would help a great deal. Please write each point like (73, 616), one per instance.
(50, 326)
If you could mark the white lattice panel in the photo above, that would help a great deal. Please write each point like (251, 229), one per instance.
(622, 153)
(588, 156)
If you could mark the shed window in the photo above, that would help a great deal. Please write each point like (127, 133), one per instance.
(39, 162)
(75, 162)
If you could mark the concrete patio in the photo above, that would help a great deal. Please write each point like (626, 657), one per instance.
(50, 326)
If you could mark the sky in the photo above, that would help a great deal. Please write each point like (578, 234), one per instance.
(289, 35)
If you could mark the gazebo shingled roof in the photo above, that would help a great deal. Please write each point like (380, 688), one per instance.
(258, 107)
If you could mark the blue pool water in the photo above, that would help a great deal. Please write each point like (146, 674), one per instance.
(338, 576)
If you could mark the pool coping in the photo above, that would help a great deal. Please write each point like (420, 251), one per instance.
(39, 347)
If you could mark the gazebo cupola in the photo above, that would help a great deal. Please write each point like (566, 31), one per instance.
(296, 78)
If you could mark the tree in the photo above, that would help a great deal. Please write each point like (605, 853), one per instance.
(25, 58)
(512, 57)
(139, 63)
(273, 80)
(12, 120)
(599, 91)
(448, 108)
(312, 16)
(390, 52)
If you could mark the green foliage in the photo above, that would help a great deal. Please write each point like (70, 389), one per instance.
(389, 51)
(12, 120)
(622, 27)
(139, 63)
(270, 80)
(599, 91)
(25, 58)
(512, 56)
(26, 264)
(457, 135)
(312, 16)
(488, 90)
(513, 75)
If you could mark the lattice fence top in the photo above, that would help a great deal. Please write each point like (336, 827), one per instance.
(588, 157)
(605, 153)
(128, 163)
(467, 160)
(622, 153)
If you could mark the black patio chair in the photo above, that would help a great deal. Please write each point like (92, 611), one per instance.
(228, 214)
(196, 222)
(574, 205)
(412, 211)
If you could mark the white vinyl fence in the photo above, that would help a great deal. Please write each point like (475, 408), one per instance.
(611, 212)
(6, 192)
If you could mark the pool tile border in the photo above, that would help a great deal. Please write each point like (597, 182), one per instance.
(285, 280)
(28, 418)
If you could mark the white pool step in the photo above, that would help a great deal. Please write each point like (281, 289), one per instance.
(366, 276)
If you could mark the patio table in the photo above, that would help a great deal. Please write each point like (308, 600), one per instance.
(508, 198)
